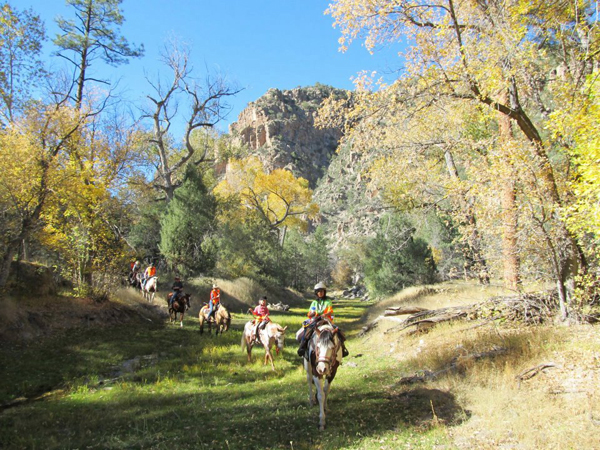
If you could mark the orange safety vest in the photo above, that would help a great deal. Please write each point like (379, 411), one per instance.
(151, 271)
(215, 296)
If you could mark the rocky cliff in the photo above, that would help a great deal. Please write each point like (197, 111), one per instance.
(279, 129)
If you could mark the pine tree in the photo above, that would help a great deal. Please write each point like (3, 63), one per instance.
(187, 226)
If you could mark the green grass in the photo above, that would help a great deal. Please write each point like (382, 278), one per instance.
(162, 387)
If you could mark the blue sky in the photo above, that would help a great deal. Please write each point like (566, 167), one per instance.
(256, 44)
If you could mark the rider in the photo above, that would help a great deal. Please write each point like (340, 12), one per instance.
(215, 299)
(177, 290)
(321, 308)
(148, 273)
(135, 268)
(261, 316)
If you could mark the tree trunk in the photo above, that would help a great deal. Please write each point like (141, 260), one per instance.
(474, 259)
(510, 251)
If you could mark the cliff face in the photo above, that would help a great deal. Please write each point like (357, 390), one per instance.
(279, 129)
(350, 207)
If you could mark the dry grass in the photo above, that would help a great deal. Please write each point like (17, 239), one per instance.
(556, 409)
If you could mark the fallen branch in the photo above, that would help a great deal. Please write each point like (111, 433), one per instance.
(399, 310)
(530, 373)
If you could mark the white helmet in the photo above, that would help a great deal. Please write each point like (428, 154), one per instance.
(320, 285)
(214, 286)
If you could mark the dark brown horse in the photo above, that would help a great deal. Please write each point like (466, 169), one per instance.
(179, 305)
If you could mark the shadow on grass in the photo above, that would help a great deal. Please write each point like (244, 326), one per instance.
(255, 416)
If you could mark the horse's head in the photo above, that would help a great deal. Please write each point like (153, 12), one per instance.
(325, 348)
(279, 338)
(186, 300)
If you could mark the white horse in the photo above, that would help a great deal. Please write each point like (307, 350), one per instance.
(271, 334)
(324, 356)
(149, 289)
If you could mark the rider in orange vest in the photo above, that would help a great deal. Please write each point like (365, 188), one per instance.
(215, 299)
(148, 273)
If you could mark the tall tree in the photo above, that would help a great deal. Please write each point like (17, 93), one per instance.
(21, 36)
(471, 51)
(32, 153)
(93, 35)
(207, 104)
(187, 225)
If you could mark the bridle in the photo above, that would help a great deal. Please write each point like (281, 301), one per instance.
(324, 359)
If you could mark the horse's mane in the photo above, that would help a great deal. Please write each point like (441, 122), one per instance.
(325, 337)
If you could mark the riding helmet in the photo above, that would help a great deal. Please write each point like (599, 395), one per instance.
(320, 285)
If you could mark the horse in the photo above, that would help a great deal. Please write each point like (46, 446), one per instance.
(271, 334)
(323, 357)
(149, 289)
(222, 319)
(135, 280)
(180, 305)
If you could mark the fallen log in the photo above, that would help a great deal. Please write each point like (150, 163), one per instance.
(399, 310)
(530, 373)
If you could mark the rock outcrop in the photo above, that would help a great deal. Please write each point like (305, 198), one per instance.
(279, 129)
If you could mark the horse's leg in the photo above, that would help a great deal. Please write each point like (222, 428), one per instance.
(309, 380)
(181, 317)
(268, 355)
(201, 319)
(326, 388)
(322, 397)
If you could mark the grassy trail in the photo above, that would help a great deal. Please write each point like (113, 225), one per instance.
(162, 387)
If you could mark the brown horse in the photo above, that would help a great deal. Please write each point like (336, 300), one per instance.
(222, 319)
(180, 305)
(271, 334)
(324, 356)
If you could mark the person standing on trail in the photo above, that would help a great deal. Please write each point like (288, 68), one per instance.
(261, 316)
(320, 309)
(148, 273)
(215, 299)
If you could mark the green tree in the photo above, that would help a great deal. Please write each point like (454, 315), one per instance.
(21, 38)
(187, 226)
(395, 259)
(93, 35)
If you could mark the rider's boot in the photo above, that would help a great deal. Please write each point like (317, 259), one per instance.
(302, 348)
(308, 331)
(342, 336)
(345, 351)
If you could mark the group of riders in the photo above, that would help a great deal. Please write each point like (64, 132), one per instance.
(320, 309)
